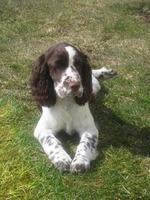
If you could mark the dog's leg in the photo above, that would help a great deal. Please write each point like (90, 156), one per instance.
(86, 152)
(103, 73)
(53, 148)
(95, 85)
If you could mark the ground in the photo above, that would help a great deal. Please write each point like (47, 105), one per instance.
(112, 33)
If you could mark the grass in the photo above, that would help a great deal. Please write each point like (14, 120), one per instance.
(113, 33)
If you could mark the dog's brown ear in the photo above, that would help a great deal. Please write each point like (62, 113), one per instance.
(86, 76)
(42, 86)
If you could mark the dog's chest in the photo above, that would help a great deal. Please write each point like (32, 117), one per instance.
(66, 116)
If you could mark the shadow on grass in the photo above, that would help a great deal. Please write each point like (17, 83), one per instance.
(113, 132)
(118, 133)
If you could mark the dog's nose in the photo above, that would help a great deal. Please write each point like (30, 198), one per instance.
(74, 85)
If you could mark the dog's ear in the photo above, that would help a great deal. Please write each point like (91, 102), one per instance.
(86, 76)
(41, 83)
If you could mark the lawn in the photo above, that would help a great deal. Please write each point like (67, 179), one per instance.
(112, 33)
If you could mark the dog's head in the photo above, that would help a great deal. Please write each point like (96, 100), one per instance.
(61, 71)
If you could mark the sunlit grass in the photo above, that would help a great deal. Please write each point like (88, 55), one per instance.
(112, 33)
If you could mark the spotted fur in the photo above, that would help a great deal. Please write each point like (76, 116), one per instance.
(62, 83)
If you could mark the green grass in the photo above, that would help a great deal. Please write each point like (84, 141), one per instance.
(113, 33)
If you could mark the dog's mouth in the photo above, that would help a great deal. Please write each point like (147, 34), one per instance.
(77, 93)
(67, 92)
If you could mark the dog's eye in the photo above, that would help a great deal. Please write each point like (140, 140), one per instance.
(78, 64)
(78, 67)
(60, 64)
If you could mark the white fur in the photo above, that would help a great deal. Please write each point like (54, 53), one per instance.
(68, 116)
(69, 74)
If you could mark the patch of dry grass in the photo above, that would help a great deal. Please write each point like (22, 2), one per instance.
(112, 33)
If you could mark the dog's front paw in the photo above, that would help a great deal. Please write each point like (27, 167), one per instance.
(62, 163)
(79, 165)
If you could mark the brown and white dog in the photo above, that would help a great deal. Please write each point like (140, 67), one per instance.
(62, 83)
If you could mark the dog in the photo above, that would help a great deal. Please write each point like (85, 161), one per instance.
(62, 83)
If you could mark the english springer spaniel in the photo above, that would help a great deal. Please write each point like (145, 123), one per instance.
(62, 83)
